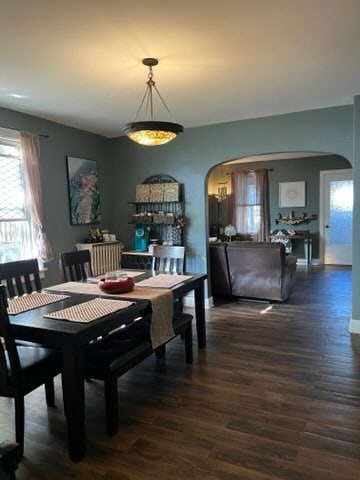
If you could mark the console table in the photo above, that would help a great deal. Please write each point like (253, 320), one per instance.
(304, 237)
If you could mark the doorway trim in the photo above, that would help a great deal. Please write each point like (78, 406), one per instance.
(323, 173)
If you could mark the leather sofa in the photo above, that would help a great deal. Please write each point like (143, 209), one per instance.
(259, 270)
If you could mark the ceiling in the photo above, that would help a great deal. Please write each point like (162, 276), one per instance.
(78, 62)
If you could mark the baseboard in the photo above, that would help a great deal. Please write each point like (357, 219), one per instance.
(189, 301)
(354, 326)
(303, 261)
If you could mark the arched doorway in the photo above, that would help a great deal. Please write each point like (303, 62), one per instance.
(283, 167)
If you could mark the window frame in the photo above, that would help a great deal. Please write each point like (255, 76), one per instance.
(27, 245)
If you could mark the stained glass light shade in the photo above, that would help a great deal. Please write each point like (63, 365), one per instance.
(152, 133)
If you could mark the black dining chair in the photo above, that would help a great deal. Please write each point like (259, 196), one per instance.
(20, 277)
(75, 266)
(23, 369)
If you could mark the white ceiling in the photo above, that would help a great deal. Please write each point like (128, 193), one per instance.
(78, 62)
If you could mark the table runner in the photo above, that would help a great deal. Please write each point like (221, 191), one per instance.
(32, 300)
(161, 329)
(163, 280)
(88, 311)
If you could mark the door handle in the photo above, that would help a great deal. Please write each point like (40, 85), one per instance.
(327, 226)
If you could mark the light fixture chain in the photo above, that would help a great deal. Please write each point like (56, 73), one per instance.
(146, 94)
(163, 102)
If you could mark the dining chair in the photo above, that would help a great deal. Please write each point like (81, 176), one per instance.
(116, 354)
(23, 369)
(168, 259)
(20, 277)
(75, 266)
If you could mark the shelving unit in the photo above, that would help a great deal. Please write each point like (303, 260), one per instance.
(163, 220)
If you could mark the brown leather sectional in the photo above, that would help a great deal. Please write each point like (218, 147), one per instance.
(259, 270)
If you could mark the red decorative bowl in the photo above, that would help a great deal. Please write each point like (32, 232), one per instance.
(116, 286)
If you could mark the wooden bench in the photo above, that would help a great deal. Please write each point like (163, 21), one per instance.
(116, 356)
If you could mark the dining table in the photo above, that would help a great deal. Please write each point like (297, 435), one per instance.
(71, 338)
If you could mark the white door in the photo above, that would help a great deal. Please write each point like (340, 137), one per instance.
(337, 209)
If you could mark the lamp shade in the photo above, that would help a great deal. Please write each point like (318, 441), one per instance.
(152, 133)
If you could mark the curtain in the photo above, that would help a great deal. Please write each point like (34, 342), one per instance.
(261, 185)
(250, 203)
(239, 188)
(31, 157)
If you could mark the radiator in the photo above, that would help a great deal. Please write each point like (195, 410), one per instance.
(105, 257)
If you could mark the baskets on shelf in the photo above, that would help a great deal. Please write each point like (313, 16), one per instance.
(142, 218)
(165, 218)
(158, 192)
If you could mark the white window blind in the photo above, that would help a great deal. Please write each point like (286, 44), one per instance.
(16, 230)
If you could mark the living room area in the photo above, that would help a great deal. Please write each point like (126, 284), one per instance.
(277, 199)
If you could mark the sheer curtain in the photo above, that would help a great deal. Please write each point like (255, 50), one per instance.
(250, 203)
(31, 157)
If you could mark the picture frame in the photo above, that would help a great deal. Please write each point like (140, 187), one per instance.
(292, 194)
(83, 189)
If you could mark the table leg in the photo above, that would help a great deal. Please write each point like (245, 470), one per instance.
(200, 315)
(308, 249)
(74, 401)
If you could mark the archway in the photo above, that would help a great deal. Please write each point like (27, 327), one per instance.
(282, 167)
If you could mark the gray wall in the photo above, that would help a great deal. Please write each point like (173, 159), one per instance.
(63, 141)
(122, 164)
(291, 170)
(191, 156)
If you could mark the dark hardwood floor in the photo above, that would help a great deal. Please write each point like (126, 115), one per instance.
(276, 395)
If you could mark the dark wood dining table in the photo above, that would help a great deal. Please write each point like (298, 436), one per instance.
(71, 338)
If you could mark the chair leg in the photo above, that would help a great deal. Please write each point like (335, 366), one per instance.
(19, 421)
(160, 351)
(50, 392)
(10, 457)
(188, 344)
(111, 406)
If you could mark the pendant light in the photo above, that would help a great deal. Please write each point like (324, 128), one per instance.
(150, 132)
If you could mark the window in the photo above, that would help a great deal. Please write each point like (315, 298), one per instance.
(17, 233)
(247, 207)
(250, 204)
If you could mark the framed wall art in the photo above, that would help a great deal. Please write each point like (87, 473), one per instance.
(292, 194)
(84, 196)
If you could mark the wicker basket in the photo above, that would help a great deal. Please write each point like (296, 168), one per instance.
(142, 193)
(141, 219)
(156, 192)
(165, 218)
(171, 192)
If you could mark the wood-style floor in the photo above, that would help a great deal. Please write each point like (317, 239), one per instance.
(276, 395)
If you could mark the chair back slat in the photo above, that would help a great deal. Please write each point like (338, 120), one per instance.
(168, 259)
(7, 343)
(20, 274)
(75, 266)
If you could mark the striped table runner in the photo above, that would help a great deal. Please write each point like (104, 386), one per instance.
(162, 305)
